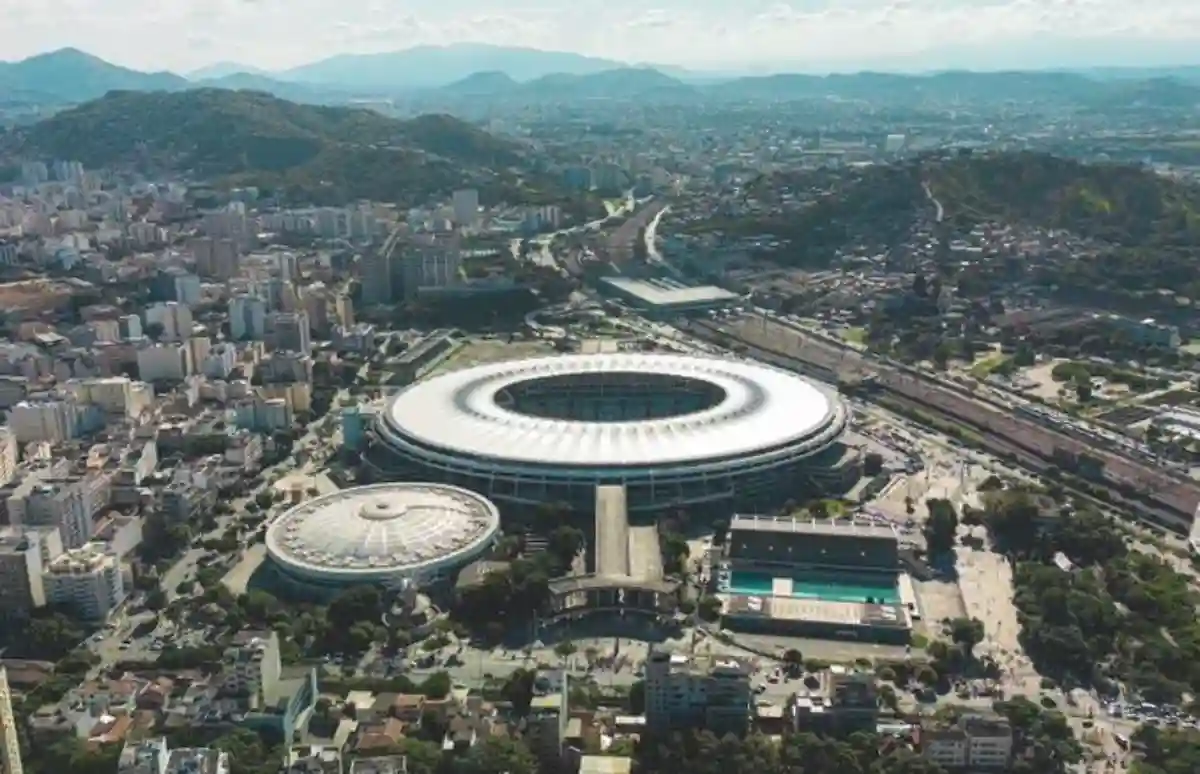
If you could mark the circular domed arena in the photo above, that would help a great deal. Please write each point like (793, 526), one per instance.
(675, 430)
(386, 534)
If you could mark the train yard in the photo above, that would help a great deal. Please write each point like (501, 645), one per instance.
(1153, 494)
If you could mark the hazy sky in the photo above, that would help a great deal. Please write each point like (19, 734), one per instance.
(834, 34)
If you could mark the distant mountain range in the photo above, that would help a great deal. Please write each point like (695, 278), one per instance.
(428, 67)
(442, 76)
(255, 138)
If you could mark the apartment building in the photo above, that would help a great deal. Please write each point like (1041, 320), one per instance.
(708, 692)
(252, 665)
(290, 331)
(23, 554)
(974, 743)
(217, 257)
(247, 318)
(155, 756)
(69, 504)
(163, 363)
(47, 420)
(87, 580)
(174, 317)
(117, 395)
(8, 455)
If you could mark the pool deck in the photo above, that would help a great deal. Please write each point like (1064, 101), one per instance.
(847, 614)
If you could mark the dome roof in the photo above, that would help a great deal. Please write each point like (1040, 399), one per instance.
(383, 529)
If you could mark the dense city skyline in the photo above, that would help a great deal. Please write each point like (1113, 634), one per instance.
(812, 35)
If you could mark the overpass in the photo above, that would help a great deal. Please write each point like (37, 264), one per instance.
(628, 576)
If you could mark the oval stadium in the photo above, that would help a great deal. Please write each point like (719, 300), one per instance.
(675, 430)
(383, 534)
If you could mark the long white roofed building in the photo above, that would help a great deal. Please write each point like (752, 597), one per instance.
(675, 430)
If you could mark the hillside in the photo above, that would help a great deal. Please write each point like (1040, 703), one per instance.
(70, 75)
(260, 138)
(1147, 224)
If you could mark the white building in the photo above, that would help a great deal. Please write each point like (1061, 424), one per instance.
(88, 580)
(8, 455)
(976, 743)
(10, 742)
(894, 143)
(247, 318)
(174, 317)
(117, 395)
(163, 363)
(50, 420)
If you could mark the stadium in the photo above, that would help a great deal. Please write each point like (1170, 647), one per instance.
(386, 534)
(674, 430)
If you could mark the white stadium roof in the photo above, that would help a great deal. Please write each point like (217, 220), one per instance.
(387, 529)
(763, 407)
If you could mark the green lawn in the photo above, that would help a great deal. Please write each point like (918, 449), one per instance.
(854, 335)
(981, 369)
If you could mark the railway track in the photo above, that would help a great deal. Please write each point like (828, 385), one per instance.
(1153, 496)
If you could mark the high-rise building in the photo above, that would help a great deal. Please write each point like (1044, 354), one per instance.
(10, 744)
(290, 331)
(48, 420)
(247, 318)
(87, 580)
(163, 363)
(186, 288)
(466, 208)
(316, 306)
(343, 310)
(216, 257)
(288, 267)
(174, 317)
(381, 278)
(23, 553)
(8, 455)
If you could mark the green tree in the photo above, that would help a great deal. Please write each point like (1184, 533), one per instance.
(709, 608)
(941, 526)
(518, 690)
(967, 633)
(499, 755)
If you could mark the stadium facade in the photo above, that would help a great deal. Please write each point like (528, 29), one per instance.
(674, 430)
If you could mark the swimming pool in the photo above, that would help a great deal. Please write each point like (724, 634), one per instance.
(827, 586)
(750, 583)
(834, 587)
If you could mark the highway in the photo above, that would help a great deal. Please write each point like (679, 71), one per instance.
(620, 242)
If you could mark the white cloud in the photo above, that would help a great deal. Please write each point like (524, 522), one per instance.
(182, 34)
